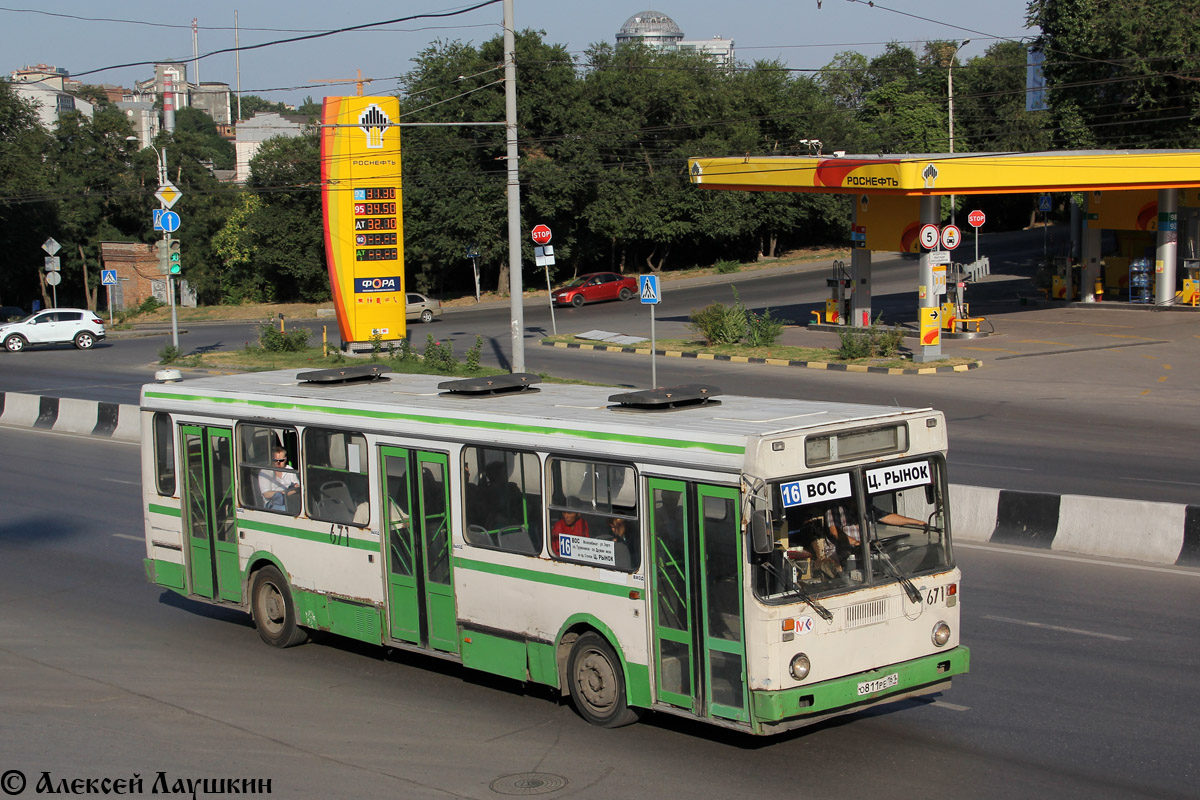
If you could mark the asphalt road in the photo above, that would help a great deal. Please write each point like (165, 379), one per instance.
(1082, 684)
(1069, 400)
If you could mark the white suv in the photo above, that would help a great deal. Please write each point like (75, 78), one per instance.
(78, 326)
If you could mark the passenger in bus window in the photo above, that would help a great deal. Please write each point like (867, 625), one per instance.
(571, 523)
(276, 485)
(623, 534)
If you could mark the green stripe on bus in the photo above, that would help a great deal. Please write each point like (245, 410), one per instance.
(308, 536)
(582, 584)
(169, 511)
(842, 692)
(464, 423)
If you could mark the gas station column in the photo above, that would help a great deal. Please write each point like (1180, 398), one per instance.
(860, 277)
(931, 207)
(1089, 255)
(1164, 255)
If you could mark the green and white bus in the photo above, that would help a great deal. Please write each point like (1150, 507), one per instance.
(759, 564)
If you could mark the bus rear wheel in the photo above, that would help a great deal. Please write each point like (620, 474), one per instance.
(597, 684)
(273, 611)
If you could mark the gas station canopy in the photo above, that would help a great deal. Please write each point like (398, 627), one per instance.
(958, 173)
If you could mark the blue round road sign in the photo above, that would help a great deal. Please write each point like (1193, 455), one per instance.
(169, 221)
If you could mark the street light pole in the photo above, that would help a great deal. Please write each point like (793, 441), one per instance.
(950, 97)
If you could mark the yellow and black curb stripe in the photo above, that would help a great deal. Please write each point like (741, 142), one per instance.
(773, 362)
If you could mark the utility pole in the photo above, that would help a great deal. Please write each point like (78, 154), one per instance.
(515, 288)
(950, 98)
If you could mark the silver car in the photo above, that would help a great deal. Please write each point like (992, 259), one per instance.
(420, 307)
(76, 326)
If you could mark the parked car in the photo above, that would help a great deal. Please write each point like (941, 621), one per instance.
(593, 287)
(12, 313)
(418, 306)
(78, 326)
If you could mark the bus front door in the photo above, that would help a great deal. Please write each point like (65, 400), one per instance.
(699, 649)
(417, 548)
(210, 520)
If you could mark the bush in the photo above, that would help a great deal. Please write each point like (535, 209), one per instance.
(273, 340)
(763, 330)
(719, 324)
(727, 266)
(169, 354)
(439, 355)
(473, 354)
(873, 342)
(150, 304)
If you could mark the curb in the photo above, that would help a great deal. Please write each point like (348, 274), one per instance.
(772, 362)
(68, 415)
(1135, 530)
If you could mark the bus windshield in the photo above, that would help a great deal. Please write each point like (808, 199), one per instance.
(853, 528)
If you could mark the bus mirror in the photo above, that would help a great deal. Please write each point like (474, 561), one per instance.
(760, 533)
(930, 495)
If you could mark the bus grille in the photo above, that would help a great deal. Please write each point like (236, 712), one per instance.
(867, 613)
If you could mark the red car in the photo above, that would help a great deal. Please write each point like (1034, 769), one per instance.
(595, 286)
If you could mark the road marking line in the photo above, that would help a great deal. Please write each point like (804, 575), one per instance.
(1058, 628)
(130, 538)
(990, 466)
(1155, 480)
(992, 349)
(1125, 336)
(1032, 553)
(1162, 379)
(1042, 341)
(950, 706)
(124, 483)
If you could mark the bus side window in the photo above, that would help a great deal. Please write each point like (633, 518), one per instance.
(335, 473)
(164, 455)
(256, 449)
(502, 498)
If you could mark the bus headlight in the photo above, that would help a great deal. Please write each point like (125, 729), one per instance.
(800, 666)
(941, 634)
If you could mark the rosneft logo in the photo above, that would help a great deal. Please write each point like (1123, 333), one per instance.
(836, 173)
(374, 122)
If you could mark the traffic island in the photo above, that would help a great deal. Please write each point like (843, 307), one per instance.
(780, 356)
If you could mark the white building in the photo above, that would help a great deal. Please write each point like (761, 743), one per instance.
(251, 133)
(51, 103)
(655, 29)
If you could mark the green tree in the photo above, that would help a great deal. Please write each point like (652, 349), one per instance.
(95, 192)
(26, 211)
(286, 229)
(1122, 71)
(198, 132)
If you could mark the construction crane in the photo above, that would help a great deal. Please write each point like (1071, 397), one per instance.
(358, 82)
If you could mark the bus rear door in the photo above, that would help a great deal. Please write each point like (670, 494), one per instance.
(699, 648)
(421, 605)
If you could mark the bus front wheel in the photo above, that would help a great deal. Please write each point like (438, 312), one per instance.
(273, 611)
(596, 682)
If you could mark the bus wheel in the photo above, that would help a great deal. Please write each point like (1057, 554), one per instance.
(597, 686)
(273, 611)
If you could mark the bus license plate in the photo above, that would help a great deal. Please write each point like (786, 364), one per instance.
(879, 684)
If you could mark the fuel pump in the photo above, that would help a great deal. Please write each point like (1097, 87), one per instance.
(1064, 284)
(956, 312)
(841, 292)
(1191, 282)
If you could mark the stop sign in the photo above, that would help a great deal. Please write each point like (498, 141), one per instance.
(541, 234)
(976, 218)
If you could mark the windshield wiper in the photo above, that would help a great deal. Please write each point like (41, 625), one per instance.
(822, 612)
(890, 568)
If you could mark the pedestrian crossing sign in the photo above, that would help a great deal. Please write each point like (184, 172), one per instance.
(648, 288)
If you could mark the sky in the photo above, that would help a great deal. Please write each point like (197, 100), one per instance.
(82, 36)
